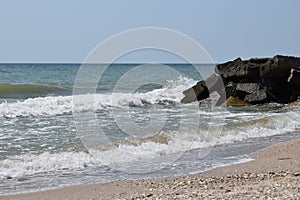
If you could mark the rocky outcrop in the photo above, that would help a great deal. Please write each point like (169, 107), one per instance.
(202, 89)
(248, 82)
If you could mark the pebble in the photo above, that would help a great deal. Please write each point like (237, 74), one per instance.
(269, 185)
(297, 174)
(149, 195)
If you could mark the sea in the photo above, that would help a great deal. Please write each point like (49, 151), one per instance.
(61, 125)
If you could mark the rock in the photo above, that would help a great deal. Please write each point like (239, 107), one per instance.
(247, 87)
(279, 91)
(214, 83)
(255, 68)
(227, 190)
(248, 92)
(149, 195)
(279, 67)
(258, 96)
(196, 93)
(248, 82)
(202, 89)
(238, 70)
(234, 101)
(294, 77)
(297, 174)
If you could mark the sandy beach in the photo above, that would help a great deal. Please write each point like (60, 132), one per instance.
(274, 173)
(149, 100)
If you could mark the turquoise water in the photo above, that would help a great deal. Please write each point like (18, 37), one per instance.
(146, 132)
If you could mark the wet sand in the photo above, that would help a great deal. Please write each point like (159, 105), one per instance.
(274, 173)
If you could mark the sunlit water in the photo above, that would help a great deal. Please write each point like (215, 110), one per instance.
(41, 148)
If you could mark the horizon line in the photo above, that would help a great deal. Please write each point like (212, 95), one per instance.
(99, 63)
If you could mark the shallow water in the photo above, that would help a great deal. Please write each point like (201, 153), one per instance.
(49, 142)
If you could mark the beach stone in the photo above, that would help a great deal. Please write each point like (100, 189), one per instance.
(297, 174)
(227, 190)
(149, 195)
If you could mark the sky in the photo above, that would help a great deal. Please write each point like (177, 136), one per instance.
(67, 30)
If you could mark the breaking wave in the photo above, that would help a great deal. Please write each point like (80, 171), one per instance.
(57, 105)
(138, 150)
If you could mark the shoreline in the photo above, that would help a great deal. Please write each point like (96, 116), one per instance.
(274, 172)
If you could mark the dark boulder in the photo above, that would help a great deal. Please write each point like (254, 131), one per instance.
(257, 97)
(294, 77)
(257, 68)
(202, 89)
(239, 71)
(279, 91)
(196, 93)
(294, 80)
(279, 67)
(254, 81)
(253, 93)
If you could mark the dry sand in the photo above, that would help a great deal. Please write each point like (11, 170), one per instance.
(274, 174)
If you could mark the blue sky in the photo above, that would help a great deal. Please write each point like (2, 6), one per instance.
(67, 30)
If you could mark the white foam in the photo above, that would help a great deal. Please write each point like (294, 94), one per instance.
(182, 141)
(272, 124)
(121, 155)
(47, 106)
(240, 126)
(29, 164)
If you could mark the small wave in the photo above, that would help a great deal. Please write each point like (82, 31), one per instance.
(30, 164)
(179, 142)
(142, 151)
(22, 91)
(57, 105)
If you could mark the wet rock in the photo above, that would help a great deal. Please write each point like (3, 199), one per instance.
(254, 81)
(294, 77)
(196, 93)
(234, 101)
(203, 88)
(247, 87)
(258, 96)
(149, 195)
(239, 70)
(252, 93)
(279, 67)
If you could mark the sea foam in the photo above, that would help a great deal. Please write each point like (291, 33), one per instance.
(58, 105)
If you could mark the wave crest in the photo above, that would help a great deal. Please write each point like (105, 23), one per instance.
(57, 105)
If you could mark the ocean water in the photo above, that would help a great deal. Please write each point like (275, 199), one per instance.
(132, 125)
